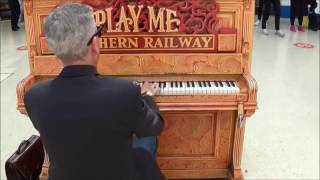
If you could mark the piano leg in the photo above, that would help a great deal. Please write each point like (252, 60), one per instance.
(237, 151)
(236, 175)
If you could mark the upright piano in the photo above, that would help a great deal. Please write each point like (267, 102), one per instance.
(198, 51)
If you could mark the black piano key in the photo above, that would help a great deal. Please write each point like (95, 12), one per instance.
(216, 83)
(209, 84)
(199, 83)
(220, 83)
(164, 84)
(192, 83)
(204, 84)
(176, 84)
(232, 83)
(188, 84)
(228, 84)
(181, 84)
(171, 84)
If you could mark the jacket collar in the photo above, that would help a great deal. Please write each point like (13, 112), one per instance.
(78, 70)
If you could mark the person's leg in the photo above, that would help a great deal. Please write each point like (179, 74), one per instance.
(292, 12)
(15, 13)
(147, 143)
(276, 6)
(300, 15)
(266, 13)
(260, 8)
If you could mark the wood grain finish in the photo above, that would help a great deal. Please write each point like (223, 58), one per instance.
(202, 137)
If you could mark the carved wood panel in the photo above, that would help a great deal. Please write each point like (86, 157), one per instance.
(179, 139)
(199, 140)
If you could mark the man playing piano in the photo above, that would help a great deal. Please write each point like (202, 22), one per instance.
(92, 127)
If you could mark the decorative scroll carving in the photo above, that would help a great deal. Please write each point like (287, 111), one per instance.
(28, 6)
(45, 168)
(22, 87)
(247, 4)
(245, 48)
(196, 17)
(166, 64)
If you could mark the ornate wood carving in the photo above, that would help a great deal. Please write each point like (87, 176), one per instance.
(247, 4)
(28, 6)
(201, 137)
(21, 89)
(237, 151)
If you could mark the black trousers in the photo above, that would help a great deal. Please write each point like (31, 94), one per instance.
(260, 8)
(298, 8)
(266, 13)
(15, 12)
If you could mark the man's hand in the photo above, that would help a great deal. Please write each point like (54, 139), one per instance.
(149, 88)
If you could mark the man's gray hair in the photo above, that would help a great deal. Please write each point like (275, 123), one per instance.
(68, 28)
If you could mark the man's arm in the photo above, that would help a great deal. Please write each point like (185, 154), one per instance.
(149, 121)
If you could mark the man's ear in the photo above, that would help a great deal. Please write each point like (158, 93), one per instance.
(95, 45)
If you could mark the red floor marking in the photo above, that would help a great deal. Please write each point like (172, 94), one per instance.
(304, 45)
(22, 48)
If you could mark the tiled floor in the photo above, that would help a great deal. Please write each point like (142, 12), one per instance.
(282, 137)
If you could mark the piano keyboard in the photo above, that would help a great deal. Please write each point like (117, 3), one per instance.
(185, 88)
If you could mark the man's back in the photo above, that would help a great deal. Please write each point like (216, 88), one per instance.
(86, 123)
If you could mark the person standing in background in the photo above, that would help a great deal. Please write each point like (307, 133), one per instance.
(298, 8)
(260, 8)
(266, 14)
(15, 13)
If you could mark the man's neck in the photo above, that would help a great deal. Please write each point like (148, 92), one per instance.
(81, 62)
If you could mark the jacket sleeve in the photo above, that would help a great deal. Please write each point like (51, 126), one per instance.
(149, 121)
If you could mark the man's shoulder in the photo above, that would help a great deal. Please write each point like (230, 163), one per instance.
(38, 89)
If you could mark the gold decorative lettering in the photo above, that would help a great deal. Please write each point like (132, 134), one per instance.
(133, 42)
(156, 21)
(172, 43)
(148, 42)
(113, 42)
(109, 24)
(171, 21)
(124, 20)
(206, 41)
(135, 16)
(158, 43)
(166, 44)
(196, 43)
(185, 42)
(103, 43)
(122, 42)
(100, 17)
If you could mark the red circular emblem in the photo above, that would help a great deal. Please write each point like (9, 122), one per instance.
(304, 45)
(22, 48)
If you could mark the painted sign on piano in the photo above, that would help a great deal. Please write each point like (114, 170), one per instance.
(144, 26)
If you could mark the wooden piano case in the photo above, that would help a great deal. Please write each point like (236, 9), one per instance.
(171, 40)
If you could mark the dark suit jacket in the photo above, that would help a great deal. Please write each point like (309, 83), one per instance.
(86, 123)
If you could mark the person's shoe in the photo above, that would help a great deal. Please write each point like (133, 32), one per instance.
(265, 32)
(15, 28)
(293, 28)
(257, 23)
(301, 28)
(279, 33)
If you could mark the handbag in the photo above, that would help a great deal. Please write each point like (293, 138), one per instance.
(26, 162)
